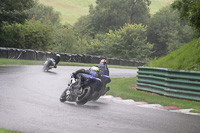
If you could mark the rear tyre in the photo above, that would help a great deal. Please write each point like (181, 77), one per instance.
(84, 96)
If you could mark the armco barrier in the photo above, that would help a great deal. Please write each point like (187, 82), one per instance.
(29, 54)
(169, 82)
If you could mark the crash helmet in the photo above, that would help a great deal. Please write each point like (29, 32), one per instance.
(94, 68)
(103, 61)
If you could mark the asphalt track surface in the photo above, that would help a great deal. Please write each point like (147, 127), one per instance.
(29, 102)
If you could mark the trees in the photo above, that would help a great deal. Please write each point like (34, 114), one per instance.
(31, 35)
(129, 42)
(82, 32)
(45, 14)
(113, 14)
(64, 40)
(14, 10)
(167, 32)
(38, 29)
(189, 10)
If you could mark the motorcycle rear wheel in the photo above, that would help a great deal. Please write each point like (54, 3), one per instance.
(84, 96)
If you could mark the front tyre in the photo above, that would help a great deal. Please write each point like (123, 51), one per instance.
(63, 97)
(84, 96)
(45, 67)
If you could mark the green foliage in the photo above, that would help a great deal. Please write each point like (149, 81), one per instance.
(129, 42)
(45, 14)
(189, 10)
(113, 14)
(43, 31)
(168, 32)
(64, 40)
(185, 58)
(14, 10)
(31, 35)
(82, 32)
(72, 10)
(98, 46)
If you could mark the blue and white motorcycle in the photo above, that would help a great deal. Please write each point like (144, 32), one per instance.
(92, 89)
(49, 64)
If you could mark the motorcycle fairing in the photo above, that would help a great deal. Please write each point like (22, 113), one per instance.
(93, 81)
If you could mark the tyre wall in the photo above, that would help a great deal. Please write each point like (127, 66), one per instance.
(29, 54)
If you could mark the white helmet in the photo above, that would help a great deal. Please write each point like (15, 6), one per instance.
(103, 61)
(57, 55)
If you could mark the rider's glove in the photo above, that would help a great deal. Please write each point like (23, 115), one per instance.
(74, 74)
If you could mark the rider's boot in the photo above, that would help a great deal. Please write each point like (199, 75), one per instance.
(78, 86)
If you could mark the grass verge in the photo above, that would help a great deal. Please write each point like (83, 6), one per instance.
(8, 131)
(121, 87)
(184, 58)
(32, 62)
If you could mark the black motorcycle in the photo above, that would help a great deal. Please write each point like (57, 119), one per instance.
(92, 89)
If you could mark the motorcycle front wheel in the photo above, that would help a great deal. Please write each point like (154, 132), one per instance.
(45, 67)
(65, 95)
(84, 96)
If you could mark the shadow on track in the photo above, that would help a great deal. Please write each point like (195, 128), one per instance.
(89, 105)
(50, 72)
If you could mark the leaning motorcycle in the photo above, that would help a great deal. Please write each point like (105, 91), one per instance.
(92, 89)
(49, 64)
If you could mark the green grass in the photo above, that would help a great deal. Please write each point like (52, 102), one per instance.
(71, 10)
(156, 5)
(120, 87)
(8, 131)
(32, 62)
(19, 62)
(185, 58)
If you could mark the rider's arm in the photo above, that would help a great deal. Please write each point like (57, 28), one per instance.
(79, 71)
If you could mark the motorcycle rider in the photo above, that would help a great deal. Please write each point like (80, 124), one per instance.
(104, 71)
(103, 67)
(57, 60)
(94, 71)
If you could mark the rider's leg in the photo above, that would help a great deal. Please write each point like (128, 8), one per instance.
(79, 82)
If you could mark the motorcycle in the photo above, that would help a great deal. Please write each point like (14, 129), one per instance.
(92, 89)
(49, 64)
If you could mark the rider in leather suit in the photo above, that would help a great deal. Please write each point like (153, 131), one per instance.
(104, 71)
(94, 71)
(103, 67)
(57, 60)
